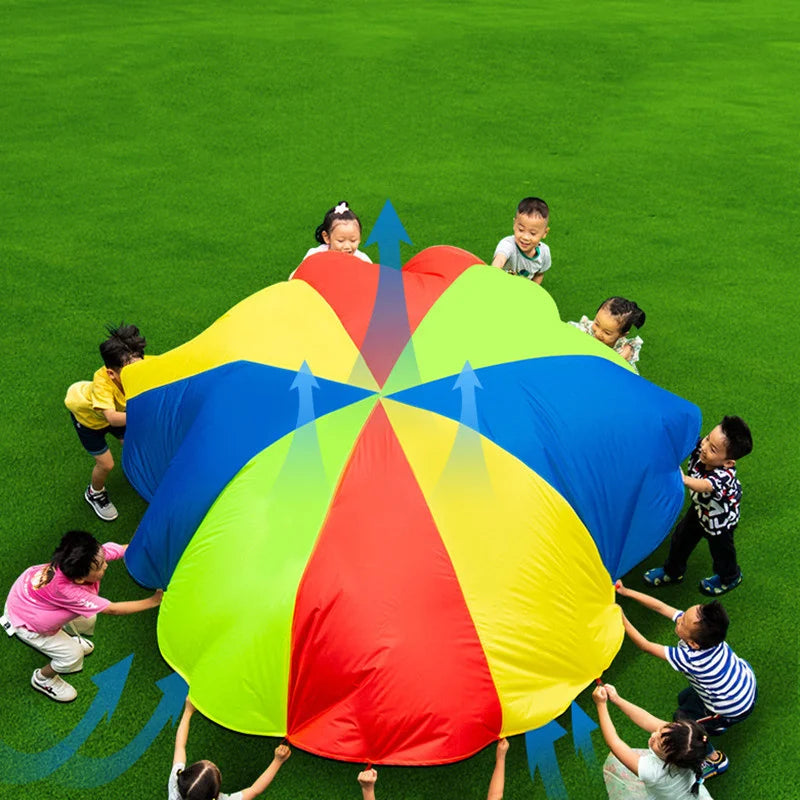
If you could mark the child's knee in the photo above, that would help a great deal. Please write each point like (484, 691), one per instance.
(105, 461)
(69, 657)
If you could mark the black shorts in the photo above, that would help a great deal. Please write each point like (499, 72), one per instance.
(94, 439)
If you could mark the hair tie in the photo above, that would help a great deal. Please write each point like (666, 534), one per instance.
(700, 781)
(705, 739)
(341, 208)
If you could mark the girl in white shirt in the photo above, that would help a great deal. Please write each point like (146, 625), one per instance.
(672, 766)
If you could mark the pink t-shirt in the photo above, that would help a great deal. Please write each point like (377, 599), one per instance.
(52, 606)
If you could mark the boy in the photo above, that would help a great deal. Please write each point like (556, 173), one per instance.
(714, 512)
(97, 408)
(723, 687)
(525, 253)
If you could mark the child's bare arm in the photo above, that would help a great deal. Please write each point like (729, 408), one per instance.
(366, 780)
(115, 418)
(182, 734)
(641, 642)
(498, 782)
(646, 600)
(134, 606)
(537, 278)
(499, 260)
(282, 753)
(644, 719)
(626, 754)
(702, 485)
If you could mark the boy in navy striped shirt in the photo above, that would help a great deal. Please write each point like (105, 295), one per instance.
(723, 687)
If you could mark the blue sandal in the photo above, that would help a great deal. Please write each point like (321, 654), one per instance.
(657, 577)
(714, 586)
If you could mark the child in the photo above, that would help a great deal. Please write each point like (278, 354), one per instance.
(615, 317)
(671, 767)
(714, 512)
(202, 780)
(97, 408)
(723, 687)
(525, 253)
(340, 232)
(65, 592)
(368, 777)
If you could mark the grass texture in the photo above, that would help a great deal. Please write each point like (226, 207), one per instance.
(161, 161)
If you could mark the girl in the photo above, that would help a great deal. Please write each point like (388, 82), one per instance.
(672, 767)
(202, 780)
(340, 232)
(613, 320)
(65, 592)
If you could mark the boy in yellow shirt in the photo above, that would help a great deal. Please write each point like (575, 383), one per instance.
(97, 408)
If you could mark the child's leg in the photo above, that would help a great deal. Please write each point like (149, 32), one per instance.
(81, 626)
(64, 651)
(723, 555)
(684, 540)
(103, 464)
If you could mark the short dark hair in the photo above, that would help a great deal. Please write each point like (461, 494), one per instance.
(737, 433)
(76, 554)
(712, 625)
(533, 207)
(332, 216)
(626, 311)
(124, 343)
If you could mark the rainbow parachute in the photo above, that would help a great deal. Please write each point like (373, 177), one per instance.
(388, 506)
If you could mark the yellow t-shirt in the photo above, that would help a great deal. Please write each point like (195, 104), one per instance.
(87, 399)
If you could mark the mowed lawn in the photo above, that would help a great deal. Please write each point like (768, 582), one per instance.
(161, 161)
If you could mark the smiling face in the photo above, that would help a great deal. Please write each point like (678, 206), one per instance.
(528, 232)
(606, 327)
(345, 236)
(714, 450)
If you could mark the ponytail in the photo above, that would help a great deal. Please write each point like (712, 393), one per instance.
(685, 745)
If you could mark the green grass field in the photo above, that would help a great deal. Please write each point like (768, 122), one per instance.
(161, 161)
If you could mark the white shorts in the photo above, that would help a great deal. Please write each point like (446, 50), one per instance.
(64, 651)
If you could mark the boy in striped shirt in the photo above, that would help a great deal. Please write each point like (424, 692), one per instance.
(722, 687)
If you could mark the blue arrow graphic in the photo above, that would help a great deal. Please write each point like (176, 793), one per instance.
(542, 755)
(387, 344)
(388, 232)
(468, 382)
(305, 383)
(85, 772)
(17, 768)
(582, 727)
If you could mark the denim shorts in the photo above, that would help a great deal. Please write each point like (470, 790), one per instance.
(93, 439)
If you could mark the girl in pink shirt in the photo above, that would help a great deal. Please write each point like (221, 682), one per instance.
(65, 592)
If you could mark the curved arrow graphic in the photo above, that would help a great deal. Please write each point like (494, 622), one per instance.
(86, 772)
(17, 767)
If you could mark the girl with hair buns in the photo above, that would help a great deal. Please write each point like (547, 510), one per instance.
(672, 766)
(613, 320)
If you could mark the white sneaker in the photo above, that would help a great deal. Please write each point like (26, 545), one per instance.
(56, 688)
(102, 506)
